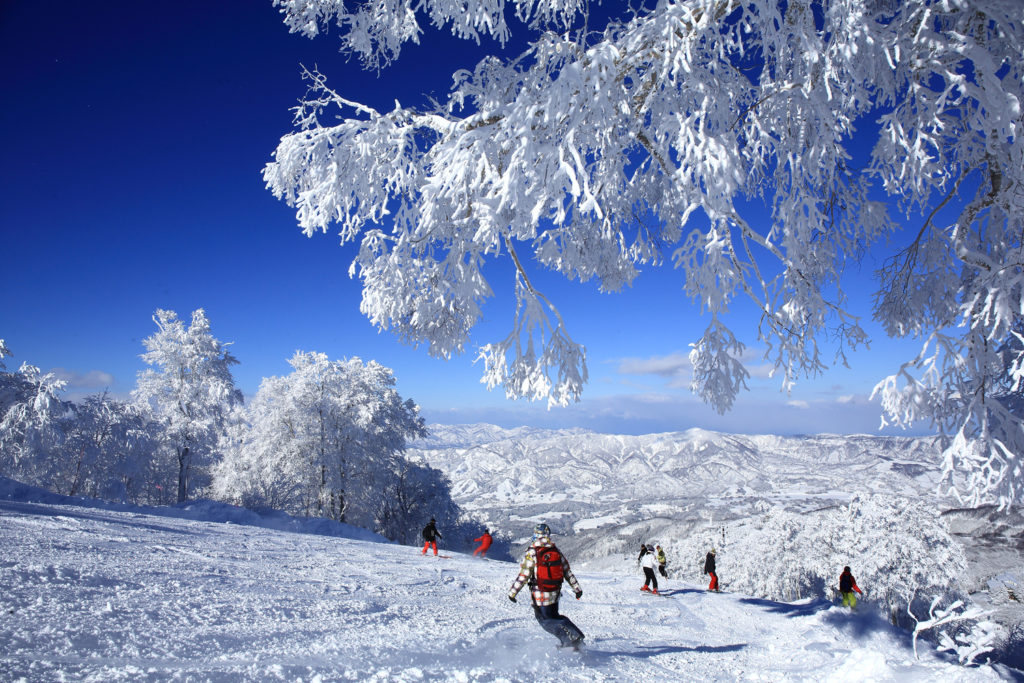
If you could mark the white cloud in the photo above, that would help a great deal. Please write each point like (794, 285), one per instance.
(849, 398)
(676, 367)
(672, 365)
(91, 380)
(803, 405)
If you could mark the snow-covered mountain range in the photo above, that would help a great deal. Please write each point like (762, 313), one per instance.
(579, 481)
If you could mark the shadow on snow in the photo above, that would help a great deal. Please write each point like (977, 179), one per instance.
(645, 651)
(789, 609)
(682, 591)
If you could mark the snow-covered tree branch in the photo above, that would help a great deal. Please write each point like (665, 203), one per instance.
(600, 153)
(967, 645)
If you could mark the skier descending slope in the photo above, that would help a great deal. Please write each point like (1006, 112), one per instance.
(709, 569)
(544, 568)
(648, 562)
(430, 536)
(662, 561)
(485, 543)
(848, 584)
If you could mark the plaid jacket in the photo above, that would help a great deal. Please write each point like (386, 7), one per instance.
(526, 575)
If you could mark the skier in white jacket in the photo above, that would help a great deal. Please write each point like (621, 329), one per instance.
(649, 561)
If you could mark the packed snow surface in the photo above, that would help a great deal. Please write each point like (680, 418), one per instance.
(199, 592)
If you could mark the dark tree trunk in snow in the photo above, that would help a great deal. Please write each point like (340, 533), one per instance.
(183, 462)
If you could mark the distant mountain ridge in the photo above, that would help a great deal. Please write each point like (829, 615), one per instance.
(587, 480)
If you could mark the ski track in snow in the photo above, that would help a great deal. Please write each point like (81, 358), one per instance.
(95, 594)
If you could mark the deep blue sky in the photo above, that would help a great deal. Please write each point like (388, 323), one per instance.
(133, 138)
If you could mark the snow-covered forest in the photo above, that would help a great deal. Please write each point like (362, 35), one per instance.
(326, 440)
(763, 148)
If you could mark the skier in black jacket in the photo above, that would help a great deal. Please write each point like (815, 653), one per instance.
(709, 569)
(430, 536)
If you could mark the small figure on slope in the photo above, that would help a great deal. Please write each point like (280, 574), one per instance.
(430, 536)
(485, 544)
(662, 561)
(847, 585)
(544, 568)
(709, 570)
(650, 577)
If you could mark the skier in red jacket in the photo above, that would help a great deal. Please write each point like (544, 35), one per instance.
(485, 544)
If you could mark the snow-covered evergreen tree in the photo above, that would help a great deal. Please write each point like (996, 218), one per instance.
(190, 392)
(322, 441)
(726, 137)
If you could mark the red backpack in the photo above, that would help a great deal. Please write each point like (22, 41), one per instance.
(549, 569)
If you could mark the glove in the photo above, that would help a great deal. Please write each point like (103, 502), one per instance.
(512, 598)
(579, 594)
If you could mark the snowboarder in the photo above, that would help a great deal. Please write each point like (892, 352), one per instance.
(709, 570)
(847, 585)
(485, 543)
(649, 576)
(430, 536)
(662, 561)
(544, 568)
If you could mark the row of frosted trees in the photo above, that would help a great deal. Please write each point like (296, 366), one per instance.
(326, 440)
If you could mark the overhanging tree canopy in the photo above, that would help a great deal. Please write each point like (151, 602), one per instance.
(593, 150)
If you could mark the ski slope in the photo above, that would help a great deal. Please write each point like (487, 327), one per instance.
(97, 592)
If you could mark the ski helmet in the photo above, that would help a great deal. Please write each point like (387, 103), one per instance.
(541, 530)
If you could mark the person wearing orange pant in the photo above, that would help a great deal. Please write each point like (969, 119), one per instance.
(430, 536)
(485, 544)
(709, 568)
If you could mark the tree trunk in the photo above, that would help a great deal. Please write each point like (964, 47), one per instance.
(183, 463)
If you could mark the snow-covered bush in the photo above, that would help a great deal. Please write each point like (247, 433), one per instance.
(31, 426)
(108, 451)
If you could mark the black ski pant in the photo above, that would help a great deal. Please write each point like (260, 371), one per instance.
(661, 570)
(557, 624)
(650, 577)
